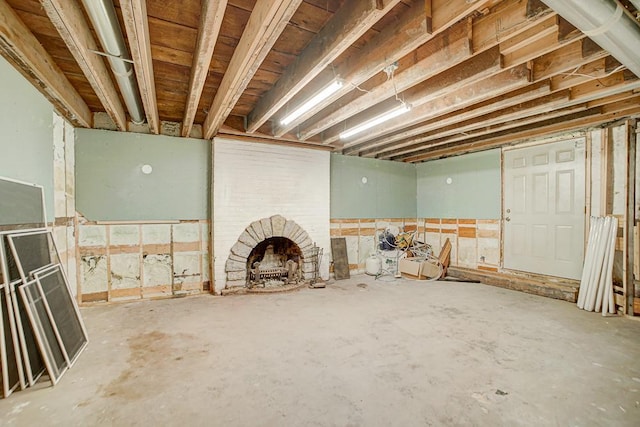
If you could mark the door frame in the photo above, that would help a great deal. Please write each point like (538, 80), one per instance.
(586, 134)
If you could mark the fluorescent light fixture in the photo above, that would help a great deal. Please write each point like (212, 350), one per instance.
(376, 121)
(312, 102)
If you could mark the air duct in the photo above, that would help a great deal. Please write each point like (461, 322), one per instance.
(605, 22)
(105, 21)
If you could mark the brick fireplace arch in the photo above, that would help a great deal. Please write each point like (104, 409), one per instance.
(258, 231)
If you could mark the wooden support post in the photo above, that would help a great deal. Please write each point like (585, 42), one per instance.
(629, 215)
(606, 174)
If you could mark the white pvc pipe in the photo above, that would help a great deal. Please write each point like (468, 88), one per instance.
(602, 280)
(590, 266)
(605, 23)
(582, 290)
(590, 302)
(105, 21)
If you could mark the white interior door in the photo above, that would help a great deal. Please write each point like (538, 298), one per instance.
(544, 209)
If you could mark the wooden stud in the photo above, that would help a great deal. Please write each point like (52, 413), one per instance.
(210, 23)
(67, 17)
(629, 216)
(20, 47)
(346, 26)
(265, 25)
(136, 25)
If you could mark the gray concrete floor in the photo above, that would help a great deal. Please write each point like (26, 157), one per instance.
(358, 353)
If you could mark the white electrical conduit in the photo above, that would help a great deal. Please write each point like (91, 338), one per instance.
(105, 21)
(605, 23)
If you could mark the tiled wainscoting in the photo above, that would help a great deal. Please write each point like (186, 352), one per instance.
(133, 261)
(475, 242)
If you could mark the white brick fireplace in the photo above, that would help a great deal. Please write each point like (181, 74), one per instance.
(253, 181)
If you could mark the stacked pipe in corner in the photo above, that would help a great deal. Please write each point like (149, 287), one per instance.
(596, 285)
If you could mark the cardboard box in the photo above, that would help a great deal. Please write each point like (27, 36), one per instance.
(410, 267)
(417, 269)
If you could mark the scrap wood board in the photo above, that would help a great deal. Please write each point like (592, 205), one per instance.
(340, 259)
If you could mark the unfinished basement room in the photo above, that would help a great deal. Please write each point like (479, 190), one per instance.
(319, 213)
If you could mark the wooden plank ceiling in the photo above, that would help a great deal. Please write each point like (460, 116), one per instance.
(477, 74)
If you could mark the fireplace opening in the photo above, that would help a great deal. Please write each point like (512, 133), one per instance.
(276, 261)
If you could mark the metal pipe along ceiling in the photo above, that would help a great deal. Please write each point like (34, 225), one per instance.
(605, 23)
(105, 21)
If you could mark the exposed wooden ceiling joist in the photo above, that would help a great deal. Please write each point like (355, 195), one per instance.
(395, 41)
(442, 52)
(210, 23)
(560, 124)
(134, 13)
(19, 45)
(346, 26)
(267, 21)
(473, 71)
(67, 17)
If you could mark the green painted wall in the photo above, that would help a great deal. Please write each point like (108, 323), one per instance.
(390, 190)
(474, 191)
(26, 140)
(110, 185)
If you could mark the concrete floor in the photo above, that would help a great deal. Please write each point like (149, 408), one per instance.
(358, 353)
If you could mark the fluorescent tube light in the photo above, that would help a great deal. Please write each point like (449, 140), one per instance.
(376, 121)
(312, 102)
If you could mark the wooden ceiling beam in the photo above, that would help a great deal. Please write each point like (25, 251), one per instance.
(67, 17)
(208, 31)
(342, 30)
(547, 64)
(267, 21)
(507, 20)
(395, 41)
(490, 105)
(544, 27)
(515, 112)
(488, 130)
(591, 117)
(615, 83)
(566, 58)
(475, 69)
(443, 51)
(136, 25)
(563, 99)
(465, 96)
(20, 47)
